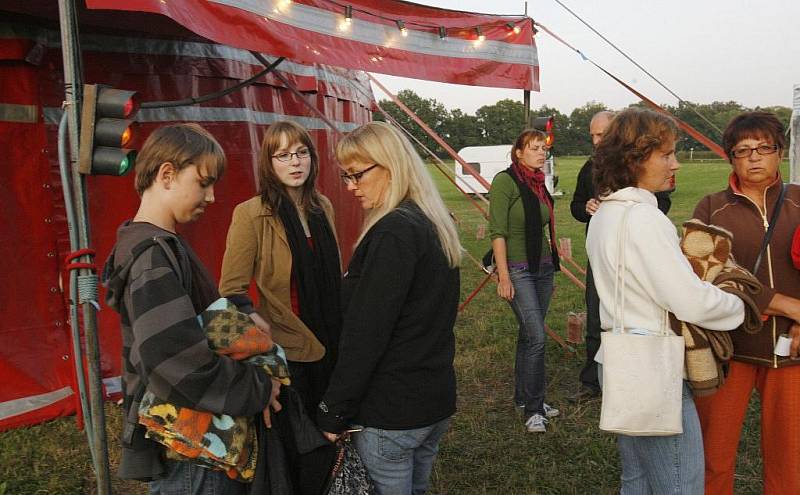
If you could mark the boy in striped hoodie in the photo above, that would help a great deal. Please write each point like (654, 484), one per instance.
(158, 285)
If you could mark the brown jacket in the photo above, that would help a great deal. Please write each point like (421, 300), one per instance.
(735, 212)
(257, 249)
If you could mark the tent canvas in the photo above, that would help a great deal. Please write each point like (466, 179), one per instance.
(437, 44)
(170, 50)
(36, 360)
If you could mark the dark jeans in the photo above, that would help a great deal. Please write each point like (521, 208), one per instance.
(532, 293)
(588, 375)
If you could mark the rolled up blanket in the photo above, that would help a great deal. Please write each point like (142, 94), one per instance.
(218, 441)
(708, 249)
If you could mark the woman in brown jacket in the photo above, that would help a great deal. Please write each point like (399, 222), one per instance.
(754, 143)
(284, 240)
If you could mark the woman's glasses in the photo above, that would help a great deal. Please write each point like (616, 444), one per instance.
(355, 177)
(761, 149)
(301, 154)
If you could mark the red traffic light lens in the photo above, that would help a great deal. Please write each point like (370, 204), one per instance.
(130, 107)
(117, 103)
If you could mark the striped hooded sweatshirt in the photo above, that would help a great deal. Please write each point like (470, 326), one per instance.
(149, 278)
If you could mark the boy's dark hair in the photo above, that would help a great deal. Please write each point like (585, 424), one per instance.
(182, 145)
(753, 125)
(631, 137)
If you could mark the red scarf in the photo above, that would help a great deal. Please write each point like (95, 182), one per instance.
(534, 178)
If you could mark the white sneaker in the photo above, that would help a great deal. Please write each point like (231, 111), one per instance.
(551, 412)
(536, 424)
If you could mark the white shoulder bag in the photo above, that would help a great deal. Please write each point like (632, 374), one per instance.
(642, 374)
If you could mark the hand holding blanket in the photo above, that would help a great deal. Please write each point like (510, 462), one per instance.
(708, 249)
(218, 441)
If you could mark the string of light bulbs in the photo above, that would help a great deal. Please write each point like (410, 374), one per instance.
(477, 32)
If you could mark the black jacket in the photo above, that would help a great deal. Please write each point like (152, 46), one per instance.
(400, 297)
(584, 191)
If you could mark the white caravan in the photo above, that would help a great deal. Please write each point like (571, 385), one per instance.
(488, 161)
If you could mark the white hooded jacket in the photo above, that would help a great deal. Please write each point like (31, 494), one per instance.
(658, 276)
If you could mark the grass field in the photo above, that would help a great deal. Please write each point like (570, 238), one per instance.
(487, 450)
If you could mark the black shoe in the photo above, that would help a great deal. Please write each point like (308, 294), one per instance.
(584, 393)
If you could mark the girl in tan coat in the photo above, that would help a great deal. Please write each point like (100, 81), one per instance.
(284, 241)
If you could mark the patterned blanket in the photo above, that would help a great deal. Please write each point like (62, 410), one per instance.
(708, 249)
(218, 441)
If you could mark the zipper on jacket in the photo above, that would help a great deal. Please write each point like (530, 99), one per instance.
(765, 223)
(771, 277)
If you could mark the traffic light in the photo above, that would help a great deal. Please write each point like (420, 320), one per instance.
(107, 129)
(545, 124)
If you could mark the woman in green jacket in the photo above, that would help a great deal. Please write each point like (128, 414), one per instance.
(522, 229)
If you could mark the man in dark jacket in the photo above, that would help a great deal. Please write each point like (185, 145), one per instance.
(584, 204)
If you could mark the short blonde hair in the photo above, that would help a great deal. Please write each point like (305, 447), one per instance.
(382, 144)
(182, 145)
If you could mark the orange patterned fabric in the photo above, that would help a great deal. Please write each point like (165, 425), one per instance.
(218, 441)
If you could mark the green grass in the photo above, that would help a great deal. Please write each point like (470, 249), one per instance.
(486, 449)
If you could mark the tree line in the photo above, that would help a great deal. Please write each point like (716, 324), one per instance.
(501, 123)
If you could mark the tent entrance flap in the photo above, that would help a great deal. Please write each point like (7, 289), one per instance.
(386, 36)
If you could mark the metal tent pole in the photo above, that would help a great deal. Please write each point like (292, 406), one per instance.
(87, 280)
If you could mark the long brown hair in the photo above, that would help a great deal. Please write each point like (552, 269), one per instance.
(272, 190)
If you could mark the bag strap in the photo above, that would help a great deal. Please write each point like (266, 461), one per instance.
(619, 277)
(772, 221)
(619, 271)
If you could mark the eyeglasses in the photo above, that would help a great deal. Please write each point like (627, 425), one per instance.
(762, 149)
(301, 154)
(356, 177)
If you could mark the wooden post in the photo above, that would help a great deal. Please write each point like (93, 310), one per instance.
(526, 102)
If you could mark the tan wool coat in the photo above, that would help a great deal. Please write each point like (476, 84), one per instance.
(257, 249)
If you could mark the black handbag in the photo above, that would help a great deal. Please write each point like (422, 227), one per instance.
(349, 476)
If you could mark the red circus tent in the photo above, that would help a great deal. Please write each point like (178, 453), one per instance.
(174, 49)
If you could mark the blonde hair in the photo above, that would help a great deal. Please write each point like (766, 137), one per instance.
(382, 144)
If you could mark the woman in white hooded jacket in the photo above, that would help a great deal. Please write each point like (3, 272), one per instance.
(634, 160)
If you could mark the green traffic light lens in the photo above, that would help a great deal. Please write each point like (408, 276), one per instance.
(127, 163)
(112, 161)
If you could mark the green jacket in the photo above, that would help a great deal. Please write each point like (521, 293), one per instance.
(507, 218)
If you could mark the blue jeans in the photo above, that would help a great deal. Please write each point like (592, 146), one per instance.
(186, 478)
(400, 461)
(532, 293)
(671, 465)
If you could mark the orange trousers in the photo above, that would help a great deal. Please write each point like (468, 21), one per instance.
(722, 416)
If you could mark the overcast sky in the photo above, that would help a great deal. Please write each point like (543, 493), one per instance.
(703, 50)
